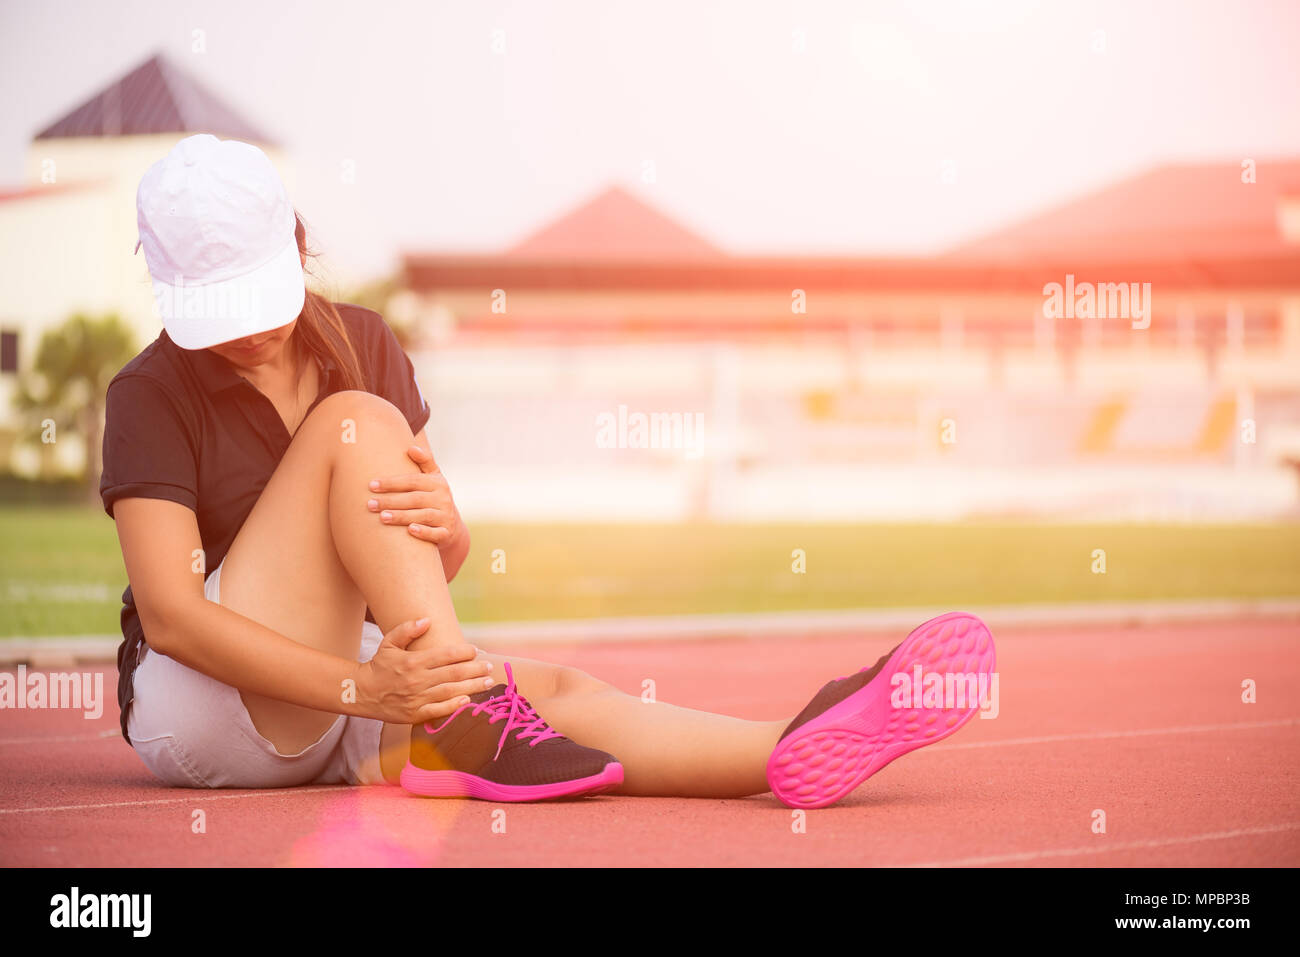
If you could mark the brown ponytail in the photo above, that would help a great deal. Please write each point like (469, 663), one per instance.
(322, 329)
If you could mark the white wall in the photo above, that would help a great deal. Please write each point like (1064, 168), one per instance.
(70, 249)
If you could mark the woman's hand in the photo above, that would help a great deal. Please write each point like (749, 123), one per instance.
(410, 687)
(421, 501)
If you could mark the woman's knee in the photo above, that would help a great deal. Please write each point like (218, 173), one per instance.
(568, 682)
(353, 415)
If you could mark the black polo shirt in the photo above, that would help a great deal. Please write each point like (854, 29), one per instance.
(184, 426)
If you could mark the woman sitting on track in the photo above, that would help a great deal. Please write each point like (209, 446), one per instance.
(266, 464)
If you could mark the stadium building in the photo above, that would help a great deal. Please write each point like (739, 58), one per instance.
(1137, 351)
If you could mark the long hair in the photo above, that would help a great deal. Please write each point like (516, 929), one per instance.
(322, 329)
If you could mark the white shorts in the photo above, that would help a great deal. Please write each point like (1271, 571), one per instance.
(192, 731)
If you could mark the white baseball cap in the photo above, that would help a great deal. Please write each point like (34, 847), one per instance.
(217, 230)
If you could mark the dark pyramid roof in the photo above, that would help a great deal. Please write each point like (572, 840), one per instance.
(155, 97)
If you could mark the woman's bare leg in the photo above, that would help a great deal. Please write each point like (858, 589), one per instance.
(665, 750)
(311, 557)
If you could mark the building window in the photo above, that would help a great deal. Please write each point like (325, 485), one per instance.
(8, 351)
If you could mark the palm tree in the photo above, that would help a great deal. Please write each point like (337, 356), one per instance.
(74, 364)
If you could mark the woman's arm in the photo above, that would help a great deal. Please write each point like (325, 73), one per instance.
(422, 502)
(159, 540)
(456, 548)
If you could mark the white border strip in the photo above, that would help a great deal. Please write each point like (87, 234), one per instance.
(781, 624)
(784, 624)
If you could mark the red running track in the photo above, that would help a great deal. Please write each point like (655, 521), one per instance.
(1146, 724)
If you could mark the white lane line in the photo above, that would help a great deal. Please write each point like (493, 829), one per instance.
(1102, 848)
(1104, 735)
(96, 736)
(199, 794)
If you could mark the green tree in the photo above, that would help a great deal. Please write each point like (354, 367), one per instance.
(74, 364)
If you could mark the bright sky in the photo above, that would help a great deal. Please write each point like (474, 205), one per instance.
(771, 127)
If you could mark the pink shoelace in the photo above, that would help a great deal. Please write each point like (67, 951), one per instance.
(518, 714)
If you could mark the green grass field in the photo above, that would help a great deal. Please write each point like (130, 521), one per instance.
(61, 572)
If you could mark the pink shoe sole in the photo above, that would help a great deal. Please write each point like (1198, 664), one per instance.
(821, 761)
(459, 784)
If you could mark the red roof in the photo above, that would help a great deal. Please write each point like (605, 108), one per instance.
(1178, 227)
(1174, 212)
(614, 226)
(905, 276)
(10, 194)
(155, 97)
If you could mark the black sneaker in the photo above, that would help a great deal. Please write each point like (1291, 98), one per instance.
(497, 748)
